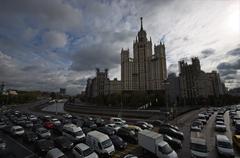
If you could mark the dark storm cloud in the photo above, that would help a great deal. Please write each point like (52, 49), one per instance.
(102, 56)
(226, 68)
(47, 44)
(234, 52)
(207, 52)
(39, 14)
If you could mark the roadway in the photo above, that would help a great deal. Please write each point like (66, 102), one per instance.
(183, 122)
(208, 133)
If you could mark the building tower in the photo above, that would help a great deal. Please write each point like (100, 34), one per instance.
(142, 51)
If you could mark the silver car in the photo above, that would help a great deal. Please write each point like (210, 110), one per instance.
(224, 146)
(43, 133)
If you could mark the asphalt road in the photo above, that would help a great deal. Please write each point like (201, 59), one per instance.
(15, 149)
(208, 133)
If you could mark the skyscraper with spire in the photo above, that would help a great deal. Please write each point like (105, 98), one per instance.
(145, 71)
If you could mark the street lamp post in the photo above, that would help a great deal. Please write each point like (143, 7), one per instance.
(165, 83)
(56, 106)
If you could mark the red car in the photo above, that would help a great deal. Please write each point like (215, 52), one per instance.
(48, 125)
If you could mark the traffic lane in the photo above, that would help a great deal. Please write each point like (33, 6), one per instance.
(184, 122)
(209, 133)
(230, 132)
(15, 149)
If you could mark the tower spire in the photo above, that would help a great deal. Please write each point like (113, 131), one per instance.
(141, 23)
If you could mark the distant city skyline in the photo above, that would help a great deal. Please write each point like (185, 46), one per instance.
(46, 45)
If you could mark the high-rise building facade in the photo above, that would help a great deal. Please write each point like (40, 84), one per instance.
(101, 85)
(195, 83)
(145, 71)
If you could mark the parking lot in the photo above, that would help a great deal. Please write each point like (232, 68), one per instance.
(17, 148)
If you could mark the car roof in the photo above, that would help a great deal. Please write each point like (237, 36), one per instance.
(16, 127)
(198, 141)
(82, 146)
(222, 138)
(55, 152)
(99, 135)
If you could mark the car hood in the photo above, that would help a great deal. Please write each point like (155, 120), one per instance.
(173, 154)
(225, 151)
(198, 153)
(93, 155)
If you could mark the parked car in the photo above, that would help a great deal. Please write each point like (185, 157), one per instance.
(46, 118)
(219, 119)
(55, 153)
(43, 133)
(28, 124)
(171, 132)
(202, 118)
(130, 156)
(198, 147)
(57, 130)
(173, 142)
(30, 137)
(167, 125)
(236, 140)
(42, 146)
(89, 124)
(114, 126)
(48, 125)
(136, 129)
(127, 135)
(224, 146)
(17, 130)
(56, 122)
(82, 150)
(157, 123)
(118, 142)
(2, 124)
(117, 119)
(99, 121)
(144, 125)
(106, 130)
(196, 126)
(235, 119)
(220, 126)
(63, 143)
(3, 145)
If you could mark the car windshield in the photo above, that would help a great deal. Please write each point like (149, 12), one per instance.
(43, 131)
(106, 143)
(199, 147)
(79, 133)
(87, 152)
(166, 149)
(117, 139)
(19, 129)
(225, 144)
(168, 137)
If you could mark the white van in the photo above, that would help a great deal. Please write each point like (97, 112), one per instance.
(198, 147)
(73, 132)
(100, 142)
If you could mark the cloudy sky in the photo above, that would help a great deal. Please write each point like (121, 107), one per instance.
(48, 44)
